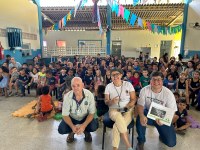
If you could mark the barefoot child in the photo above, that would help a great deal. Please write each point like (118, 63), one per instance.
(44, 104)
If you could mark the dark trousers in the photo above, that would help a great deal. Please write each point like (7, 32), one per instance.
(198, 99)
(22, 87)
(193, 95)
(167, 134)
(64, 128)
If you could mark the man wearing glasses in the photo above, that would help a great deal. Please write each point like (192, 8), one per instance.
(78, 112)
(155, 92)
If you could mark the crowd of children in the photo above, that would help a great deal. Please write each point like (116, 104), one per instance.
(182, 78)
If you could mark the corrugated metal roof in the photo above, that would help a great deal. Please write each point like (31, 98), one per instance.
(159, 14)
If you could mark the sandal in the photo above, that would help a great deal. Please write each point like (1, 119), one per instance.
(70, 138)
(88, 137)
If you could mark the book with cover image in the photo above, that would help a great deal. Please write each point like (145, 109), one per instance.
(164, 114)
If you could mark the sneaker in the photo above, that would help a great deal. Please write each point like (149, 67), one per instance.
(16, 93)
(10, 93)
(140, 146)
(88, 137)
(22, 94)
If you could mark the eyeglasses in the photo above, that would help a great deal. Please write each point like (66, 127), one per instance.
(156, 79)
(115, 75)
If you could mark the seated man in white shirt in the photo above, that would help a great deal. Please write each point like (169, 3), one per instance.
(78, 112)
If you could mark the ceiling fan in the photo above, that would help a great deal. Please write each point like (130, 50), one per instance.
(195, 25)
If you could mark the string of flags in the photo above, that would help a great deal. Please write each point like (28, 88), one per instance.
(120, 11)
(131, 18)
(63, 22)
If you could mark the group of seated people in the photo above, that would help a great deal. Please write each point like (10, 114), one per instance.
(117, 83)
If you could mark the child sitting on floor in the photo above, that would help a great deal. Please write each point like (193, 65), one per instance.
(13, 81)
(181, 121)
(44, 104)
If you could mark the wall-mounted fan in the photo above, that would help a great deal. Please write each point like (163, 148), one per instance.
(195, 25)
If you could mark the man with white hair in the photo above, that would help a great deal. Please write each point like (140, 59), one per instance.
(78, 112)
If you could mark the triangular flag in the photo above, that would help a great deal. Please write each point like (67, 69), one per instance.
(65, 21)
(69, 16)
(126, 14)
(133, 19)
(83, 3)
(77, 7)
(152, 28)
(149, 25)
(121, 11)
(56, 26)
(140, 23)
(115, 8)
(155, 28)
(135, 2)
(144, 24)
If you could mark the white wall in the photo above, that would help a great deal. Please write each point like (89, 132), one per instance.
(131, 40)
(19, 14)
(192, 39)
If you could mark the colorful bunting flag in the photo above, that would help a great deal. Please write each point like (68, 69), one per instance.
(155, 28)
(65, 21)
(133, 19)
(144, 24)
(140, 23)
(115, 8)
(94, 14)
(83, 3)
(126, 14)
(77, 7)
(60, 24)
(68, 16)
(56, 26)
(149, 25)
(152, 28)
(135, 2)
(121, 11)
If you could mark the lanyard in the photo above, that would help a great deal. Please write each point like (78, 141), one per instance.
(118, 92)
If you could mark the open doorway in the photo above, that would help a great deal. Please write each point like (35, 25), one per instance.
(146, 52)
(116, 48)
(165, 47)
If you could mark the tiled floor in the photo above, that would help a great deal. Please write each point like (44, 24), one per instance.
(25, 134)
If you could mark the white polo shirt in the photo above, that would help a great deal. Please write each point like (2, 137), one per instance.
(70, 106)
(165, 98)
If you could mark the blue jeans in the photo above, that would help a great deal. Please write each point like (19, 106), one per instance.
(64, 128)
(22, 87)
(167, 134)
